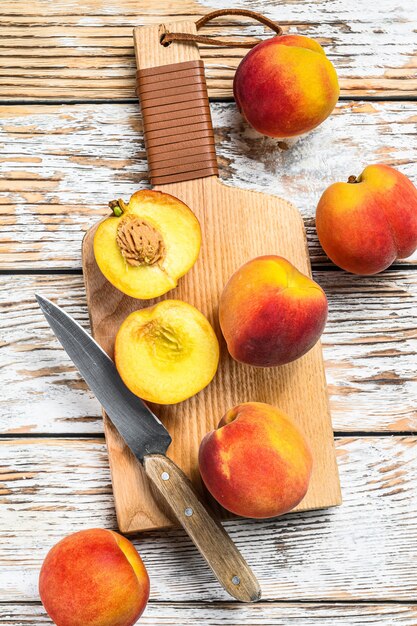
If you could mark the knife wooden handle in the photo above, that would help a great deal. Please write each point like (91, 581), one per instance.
(208, 535)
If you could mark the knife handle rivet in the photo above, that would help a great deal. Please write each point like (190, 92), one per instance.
(188, 511)
(236, 580)
(165, 476)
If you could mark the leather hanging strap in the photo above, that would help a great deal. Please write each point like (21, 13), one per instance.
(177, 123)
(169, 38)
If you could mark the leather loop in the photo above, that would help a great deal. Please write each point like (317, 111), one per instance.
(177, 123)
(169, 38)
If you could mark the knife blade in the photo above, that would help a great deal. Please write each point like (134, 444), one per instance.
(148, 439)
(139, 427)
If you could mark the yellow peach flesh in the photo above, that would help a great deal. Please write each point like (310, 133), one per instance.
(174, 225)
(166, 353)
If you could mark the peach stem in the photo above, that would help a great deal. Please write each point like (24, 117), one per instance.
(118, 207)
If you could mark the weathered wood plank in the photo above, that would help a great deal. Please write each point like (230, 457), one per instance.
(82, 50)
(361, 550)
(261, 614)
(370, 345)
(62, 164)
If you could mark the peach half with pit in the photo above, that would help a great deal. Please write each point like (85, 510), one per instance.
(166, 353)
(148, 244)
(271, 313)
(256, 463)
(94, 577)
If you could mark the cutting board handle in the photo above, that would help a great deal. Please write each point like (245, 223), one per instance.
(172, 90)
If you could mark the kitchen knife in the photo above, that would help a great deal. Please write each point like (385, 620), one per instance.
(149, 440)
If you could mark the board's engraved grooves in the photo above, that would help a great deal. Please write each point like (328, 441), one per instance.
(168, 133)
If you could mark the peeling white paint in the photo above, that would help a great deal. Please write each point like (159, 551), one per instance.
(361, 550)
(80, 157)
(360, 40)
(86, 155)
(371, 48)
(233, 614)
(369, 343)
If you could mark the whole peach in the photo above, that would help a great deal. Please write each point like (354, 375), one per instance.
(286, 86)
(364, 225)
(94, 578)
(270, 313)
(256, 463)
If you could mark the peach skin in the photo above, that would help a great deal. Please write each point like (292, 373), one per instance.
(364, 225)
(286, 86)
(256, 463)
(94, 578)
(147, 244)
(270, 313)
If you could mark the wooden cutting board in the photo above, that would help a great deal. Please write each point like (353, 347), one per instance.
(237, 225)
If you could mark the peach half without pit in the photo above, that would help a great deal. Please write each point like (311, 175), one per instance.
(148, 244)
(96, 578)
(270, 313)
(166, 353)
(256, 463)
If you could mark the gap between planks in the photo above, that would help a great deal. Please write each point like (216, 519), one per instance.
(60, 271)
(98, 43)
(213, 100)
(99, 437)
(370, 355)
(65, 486)
(231, 614)
(62, 164)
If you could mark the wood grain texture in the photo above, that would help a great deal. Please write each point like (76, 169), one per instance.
(84, 50)
(362, 550)
(369, 345)
(237, 225)
(62, 164)
(261, 614)
(261, 224)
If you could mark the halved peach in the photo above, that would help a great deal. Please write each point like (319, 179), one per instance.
(148, 244)
(166, 353)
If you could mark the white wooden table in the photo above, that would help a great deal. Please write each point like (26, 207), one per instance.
(71, 140)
